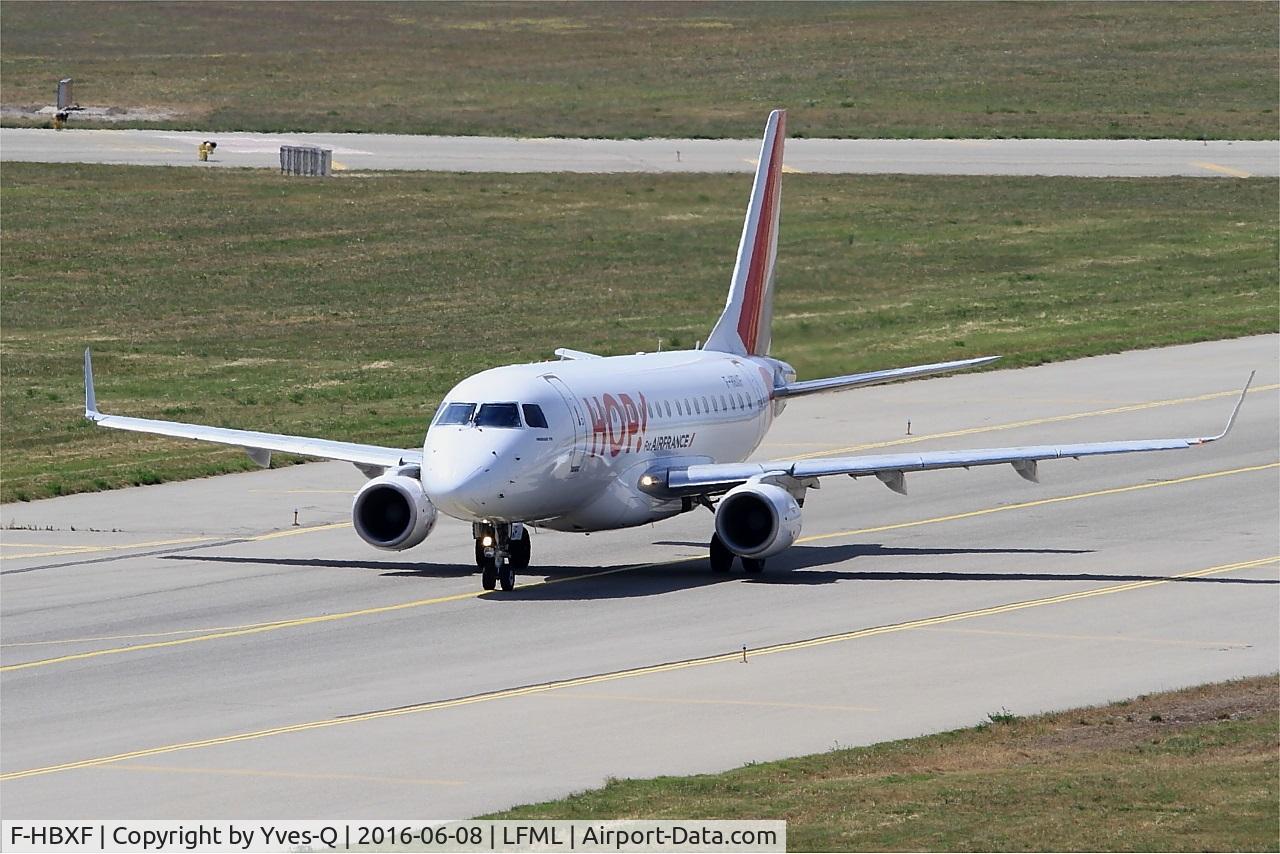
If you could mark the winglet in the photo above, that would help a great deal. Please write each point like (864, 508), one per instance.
(1234, 412)
(90, 399)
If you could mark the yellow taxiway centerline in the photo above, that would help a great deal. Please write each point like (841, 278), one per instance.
(76, 551)
(58, 551)
(476, 594)
(293, 775)
(312, 620)
(545, 687)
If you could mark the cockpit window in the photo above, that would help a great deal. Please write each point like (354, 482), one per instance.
(456, 413)
(533, 415)
(498, 415)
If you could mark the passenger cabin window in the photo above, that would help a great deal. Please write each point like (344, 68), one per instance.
(666, 404)
(498, 415)
(456, 413)
(533, 416)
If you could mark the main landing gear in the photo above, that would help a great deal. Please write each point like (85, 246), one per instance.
(501, 550)
(722, 558)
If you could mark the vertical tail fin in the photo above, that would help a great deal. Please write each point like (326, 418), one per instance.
(745, 325)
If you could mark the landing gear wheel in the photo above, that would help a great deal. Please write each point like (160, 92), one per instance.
(753, 565)
(520, 550)
(507, 577)
(479, 553)
(488, 573)
(721, 557)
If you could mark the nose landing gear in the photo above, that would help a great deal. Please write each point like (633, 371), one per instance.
(501, 549)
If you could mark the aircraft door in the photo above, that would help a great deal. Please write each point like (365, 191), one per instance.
(579, 421)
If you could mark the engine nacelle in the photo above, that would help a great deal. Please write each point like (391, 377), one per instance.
(757, 520)
(393, 512)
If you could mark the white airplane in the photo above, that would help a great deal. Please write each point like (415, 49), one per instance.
(593, 443)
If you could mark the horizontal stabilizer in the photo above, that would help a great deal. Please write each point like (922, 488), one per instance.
(566, 353)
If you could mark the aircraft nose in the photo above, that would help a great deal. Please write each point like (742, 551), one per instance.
(460, 472)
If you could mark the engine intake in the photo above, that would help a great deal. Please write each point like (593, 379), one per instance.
(757, 520)
(393, 512)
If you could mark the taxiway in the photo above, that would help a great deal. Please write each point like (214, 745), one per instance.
(1081, 158)
(184, 651)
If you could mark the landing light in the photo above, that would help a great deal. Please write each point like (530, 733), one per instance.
(486, 542)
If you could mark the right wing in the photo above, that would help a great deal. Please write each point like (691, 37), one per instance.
(258, 445)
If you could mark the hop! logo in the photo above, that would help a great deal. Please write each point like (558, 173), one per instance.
(618, 424)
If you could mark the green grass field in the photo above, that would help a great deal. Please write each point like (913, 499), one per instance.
(1192, 770)
(346, 307)
(689, 69)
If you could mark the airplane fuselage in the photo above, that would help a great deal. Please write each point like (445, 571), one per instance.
(608, 420)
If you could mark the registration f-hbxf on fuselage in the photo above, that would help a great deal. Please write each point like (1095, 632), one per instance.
(592, 443)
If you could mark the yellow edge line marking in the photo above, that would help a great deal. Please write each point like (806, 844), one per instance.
(291, 775)
(1039, 503)
(475, 594)
(1032, 422)
(1225, 170)
(544, 687)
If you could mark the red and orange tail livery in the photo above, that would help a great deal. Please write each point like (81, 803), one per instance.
(744, 327)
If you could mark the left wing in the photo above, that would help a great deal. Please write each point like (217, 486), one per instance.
(368, 458)
(891, 468)
(795, 389)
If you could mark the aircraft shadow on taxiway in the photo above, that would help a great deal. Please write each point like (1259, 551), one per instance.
(797, 565)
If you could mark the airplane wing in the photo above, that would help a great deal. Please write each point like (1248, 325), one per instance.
(258, 445)
(891, 468)
(848, 381)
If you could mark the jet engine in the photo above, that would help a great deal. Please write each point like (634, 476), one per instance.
(757, 520)
(393, 512)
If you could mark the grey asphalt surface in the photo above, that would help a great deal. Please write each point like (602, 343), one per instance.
(1087, 158)
(237, 666)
